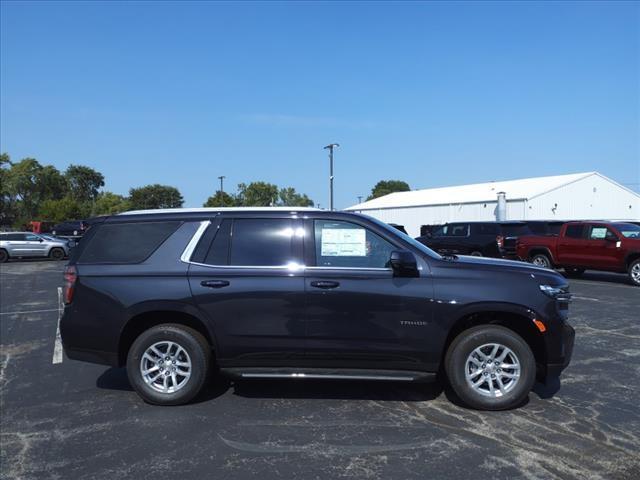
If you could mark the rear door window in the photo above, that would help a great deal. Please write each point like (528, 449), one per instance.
(574, 231)
(485, 228)
(458, 230)
(262, 242)
(126, 242)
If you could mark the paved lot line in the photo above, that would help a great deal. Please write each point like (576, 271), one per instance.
(30, 311)
(57, 349)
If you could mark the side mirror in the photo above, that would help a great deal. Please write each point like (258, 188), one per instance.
(611, 238)
(403, 263)
(40, 240)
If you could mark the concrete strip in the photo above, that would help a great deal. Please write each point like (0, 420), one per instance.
(57, 349)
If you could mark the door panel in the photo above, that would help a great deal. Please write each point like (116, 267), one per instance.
(603, 250)
(369, 320)
(257, 315)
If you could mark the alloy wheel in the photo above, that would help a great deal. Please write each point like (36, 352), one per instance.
(165, 367)
(492, 370)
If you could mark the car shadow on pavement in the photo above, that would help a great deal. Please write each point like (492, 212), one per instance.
(116, 379)
(606, 277)
(336, 389)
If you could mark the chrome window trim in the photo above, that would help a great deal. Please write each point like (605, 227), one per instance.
(191, 246)
(286, 267)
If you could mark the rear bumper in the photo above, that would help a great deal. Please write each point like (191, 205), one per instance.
(92, 356)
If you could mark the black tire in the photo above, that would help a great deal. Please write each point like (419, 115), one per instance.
(56, 253)
(191, 341)
(4, 256)
(541, 260)
(476, 253)
(634, 272)
(573, 272)
(462, 347)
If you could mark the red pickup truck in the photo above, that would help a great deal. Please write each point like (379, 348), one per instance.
(580, 246)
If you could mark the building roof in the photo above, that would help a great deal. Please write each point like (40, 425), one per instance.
(525, 188)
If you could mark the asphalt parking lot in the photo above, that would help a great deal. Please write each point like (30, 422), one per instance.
(73, 420)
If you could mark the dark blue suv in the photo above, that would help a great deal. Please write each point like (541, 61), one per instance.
(306, 294)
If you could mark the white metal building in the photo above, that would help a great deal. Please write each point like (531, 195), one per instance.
(579, 196)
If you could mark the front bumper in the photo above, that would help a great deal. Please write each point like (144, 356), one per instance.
(562, 357)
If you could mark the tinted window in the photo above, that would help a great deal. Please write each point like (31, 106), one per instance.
(126, 242)
(574, 231)
(32, 238)
(485, 228)
(347, 245)
(219, 250)
(515, 230)
(14, 237)
(457, 230)
(262, 242)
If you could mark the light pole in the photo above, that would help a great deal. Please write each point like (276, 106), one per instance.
(330, 147)
(359, 199)
(222, 177)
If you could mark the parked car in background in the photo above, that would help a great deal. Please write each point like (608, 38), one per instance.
(580, 246)
(399, 227)
(72, 228)
(70, 241)
(427, 230)
(306, 294)
(40, 226)
(479, 239)
(27, 244)
(507, 242)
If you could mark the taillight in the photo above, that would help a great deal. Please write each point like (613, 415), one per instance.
(500, 241)
(70, 277)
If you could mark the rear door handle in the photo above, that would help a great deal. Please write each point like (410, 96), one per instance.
(214, 283)
(325, 284)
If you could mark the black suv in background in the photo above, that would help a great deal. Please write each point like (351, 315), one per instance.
(305, 294)
(71, 228)
(479, 239)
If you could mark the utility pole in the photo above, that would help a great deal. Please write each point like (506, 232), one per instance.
(330, 147)
(222, 177)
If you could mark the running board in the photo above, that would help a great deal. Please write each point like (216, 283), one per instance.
(330, 374)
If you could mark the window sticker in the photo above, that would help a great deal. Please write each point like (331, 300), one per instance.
(598, 233)
(343, 242)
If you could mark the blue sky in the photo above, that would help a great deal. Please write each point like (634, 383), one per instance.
(432, 93)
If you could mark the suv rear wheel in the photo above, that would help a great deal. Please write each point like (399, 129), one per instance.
(634, 272)
(56, 253)
(4, 256)
(168, 364)
(490, 367)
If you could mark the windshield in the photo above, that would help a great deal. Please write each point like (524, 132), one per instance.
(628, 230)
(416, 244)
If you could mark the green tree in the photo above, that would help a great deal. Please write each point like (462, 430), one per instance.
(290, 198)
(7, 205)
(257, 194)
(84, 182)
(66, 208)
(220, 199)
(50, 184)
(155, 196)
(22, 187)
(385, 187)
(109, 203)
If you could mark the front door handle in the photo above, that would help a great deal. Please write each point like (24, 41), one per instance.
(214, 283)
(325, 284)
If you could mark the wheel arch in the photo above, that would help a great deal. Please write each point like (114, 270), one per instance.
(536, 250)
(516, 318)
(143, 317)
(630, 258)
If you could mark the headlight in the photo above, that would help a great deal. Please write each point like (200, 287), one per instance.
(559, 293)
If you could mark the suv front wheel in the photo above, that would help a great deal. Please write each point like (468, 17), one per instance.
(490, 367)
(168, 364)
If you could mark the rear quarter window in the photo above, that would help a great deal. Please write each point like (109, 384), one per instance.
(126, 242)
